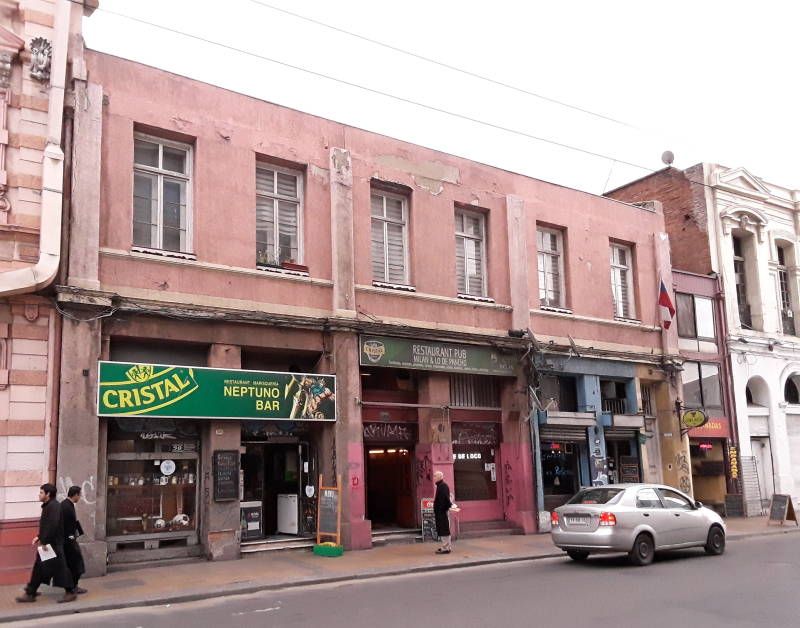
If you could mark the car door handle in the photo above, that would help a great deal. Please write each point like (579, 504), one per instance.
(677, 514)
(646, 514)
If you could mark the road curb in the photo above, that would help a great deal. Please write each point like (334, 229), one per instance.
(255, 587)
(247, 588)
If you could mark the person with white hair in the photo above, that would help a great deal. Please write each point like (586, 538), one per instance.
(441, 509)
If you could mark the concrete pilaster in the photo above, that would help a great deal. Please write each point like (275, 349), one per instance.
(342, 247)
(518, 262)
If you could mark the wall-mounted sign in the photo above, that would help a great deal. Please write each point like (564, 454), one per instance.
(226, 474)
(733, 457)
(694, 418)
(435, 356)
(714, 427)
(196, 392)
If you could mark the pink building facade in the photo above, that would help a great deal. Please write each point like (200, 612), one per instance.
(464, 318)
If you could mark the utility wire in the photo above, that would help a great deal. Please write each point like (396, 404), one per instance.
(371, 90)
(442, 64)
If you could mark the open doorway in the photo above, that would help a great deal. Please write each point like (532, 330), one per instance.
(390, 491)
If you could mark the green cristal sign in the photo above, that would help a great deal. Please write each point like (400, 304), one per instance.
(127, 389)
(435, 356)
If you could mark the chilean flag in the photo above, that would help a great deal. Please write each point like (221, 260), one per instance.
(665, 304)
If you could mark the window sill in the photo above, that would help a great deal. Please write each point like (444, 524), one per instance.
(472, 297)
(551, 308)
(394, 286)
(163, 253)
(629, 321)
(283, 271)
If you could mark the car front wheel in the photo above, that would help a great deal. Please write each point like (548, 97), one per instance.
(643, 550)
(715, 544)
(578, 555)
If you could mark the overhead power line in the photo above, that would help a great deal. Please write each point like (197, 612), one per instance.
(372, 90)
(442, 64)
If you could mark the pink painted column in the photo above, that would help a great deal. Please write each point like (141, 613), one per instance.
(516, 465)
(434, 451)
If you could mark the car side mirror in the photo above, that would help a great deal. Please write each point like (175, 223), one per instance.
(698, 504)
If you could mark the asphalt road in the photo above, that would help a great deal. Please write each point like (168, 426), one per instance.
(754, 584)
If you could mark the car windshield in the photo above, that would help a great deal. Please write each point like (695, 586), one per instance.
(596, 496)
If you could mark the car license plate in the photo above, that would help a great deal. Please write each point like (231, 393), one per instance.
(578, 521)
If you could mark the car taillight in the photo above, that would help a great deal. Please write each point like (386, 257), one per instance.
(607, 519)
(554, 518)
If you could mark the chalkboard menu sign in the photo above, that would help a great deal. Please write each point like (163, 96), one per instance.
(428, 520)
(781, 509)
(226, 475)
(329, 510)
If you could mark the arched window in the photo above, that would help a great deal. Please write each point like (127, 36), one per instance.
(749, 394)
(791, 393)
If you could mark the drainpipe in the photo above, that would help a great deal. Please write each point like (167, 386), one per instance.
(41, 274)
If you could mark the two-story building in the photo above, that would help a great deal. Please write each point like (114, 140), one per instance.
(251, 288)
(727, 221)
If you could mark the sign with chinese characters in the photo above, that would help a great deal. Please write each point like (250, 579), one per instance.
(435, 356)
(197, 392)
(733, 456)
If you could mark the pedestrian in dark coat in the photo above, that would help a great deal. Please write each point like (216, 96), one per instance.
(72, 530)
(51, 535)
(441, 510)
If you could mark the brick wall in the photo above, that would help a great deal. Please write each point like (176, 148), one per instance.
(685, 215)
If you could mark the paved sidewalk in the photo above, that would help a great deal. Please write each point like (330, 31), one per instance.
(275, 570)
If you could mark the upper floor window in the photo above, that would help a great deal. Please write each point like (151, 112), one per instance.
(740, 280)
(389, 237)
(161, 194)
(470, 253)
(279, 212)
(695, 316)
(550, 244)
(474, 391)
(785, 291)
(701, 385)
(622, 280)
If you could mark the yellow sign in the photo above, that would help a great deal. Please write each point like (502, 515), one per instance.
(694, 418)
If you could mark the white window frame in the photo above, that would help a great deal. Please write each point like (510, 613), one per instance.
(482, 244)
(300, 200)
(386, 282)
(627, 270)
(160, 173)
(540, 254)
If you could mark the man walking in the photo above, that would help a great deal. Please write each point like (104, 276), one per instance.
(441, 510)
(72, 530)
(50, 547)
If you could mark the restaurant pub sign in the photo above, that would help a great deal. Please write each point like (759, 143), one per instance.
(127, 389)
(435, 356)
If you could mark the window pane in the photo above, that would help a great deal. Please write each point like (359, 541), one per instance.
(396, 253)
(473, 225)
(145, 153)
(265, 181)
(712, 396)
(287, 230)
(378, 251)
(174, 159)
(460, 265)
(145, 210)
(675, 501)
(174, 215)
(704, 310)
(648, 498)
(265, 231)
(376, 204)
(394, 209)
(685, 315)
(474, 473)
(287, 185)
(691, 385)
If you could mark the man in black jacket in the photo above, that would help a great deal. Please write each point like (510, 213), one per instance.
(72, 530)
(51, 537)
(441, 512)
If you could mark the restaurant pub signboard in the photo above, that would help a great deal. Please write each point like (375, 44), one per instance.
(126, 389)
(428, 355)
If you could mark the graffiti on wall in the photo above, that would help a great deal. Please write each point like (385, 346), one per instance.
(684, 471)
(88, 488)
(508, 483)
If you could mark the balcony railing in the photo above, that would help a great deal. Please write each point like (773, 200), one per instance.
(614, 406)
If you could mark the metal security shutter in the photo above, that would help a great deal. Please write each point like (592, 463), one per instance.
(620, 433)
(562, 433)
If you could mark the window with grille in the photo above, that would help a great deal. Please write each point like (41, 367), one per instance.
(474, 391)
(389, 237)
(470, 253)
(161, 194)
(551, 270)
(787, 314)
(621, 281)
(279, 206)
(740, 278)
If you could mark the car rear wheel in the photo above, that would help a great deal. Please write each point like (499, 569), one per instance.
(577, 555)
(715, 544)
(643, 550)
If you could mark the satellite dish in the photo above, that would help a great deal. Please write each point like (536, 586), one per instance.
(667, 157)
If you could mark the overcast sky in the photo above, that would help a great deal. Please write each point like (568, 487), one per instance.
(707, 80)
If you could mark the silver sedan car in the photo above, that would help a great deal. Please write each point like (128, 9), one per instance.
(639, 519)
